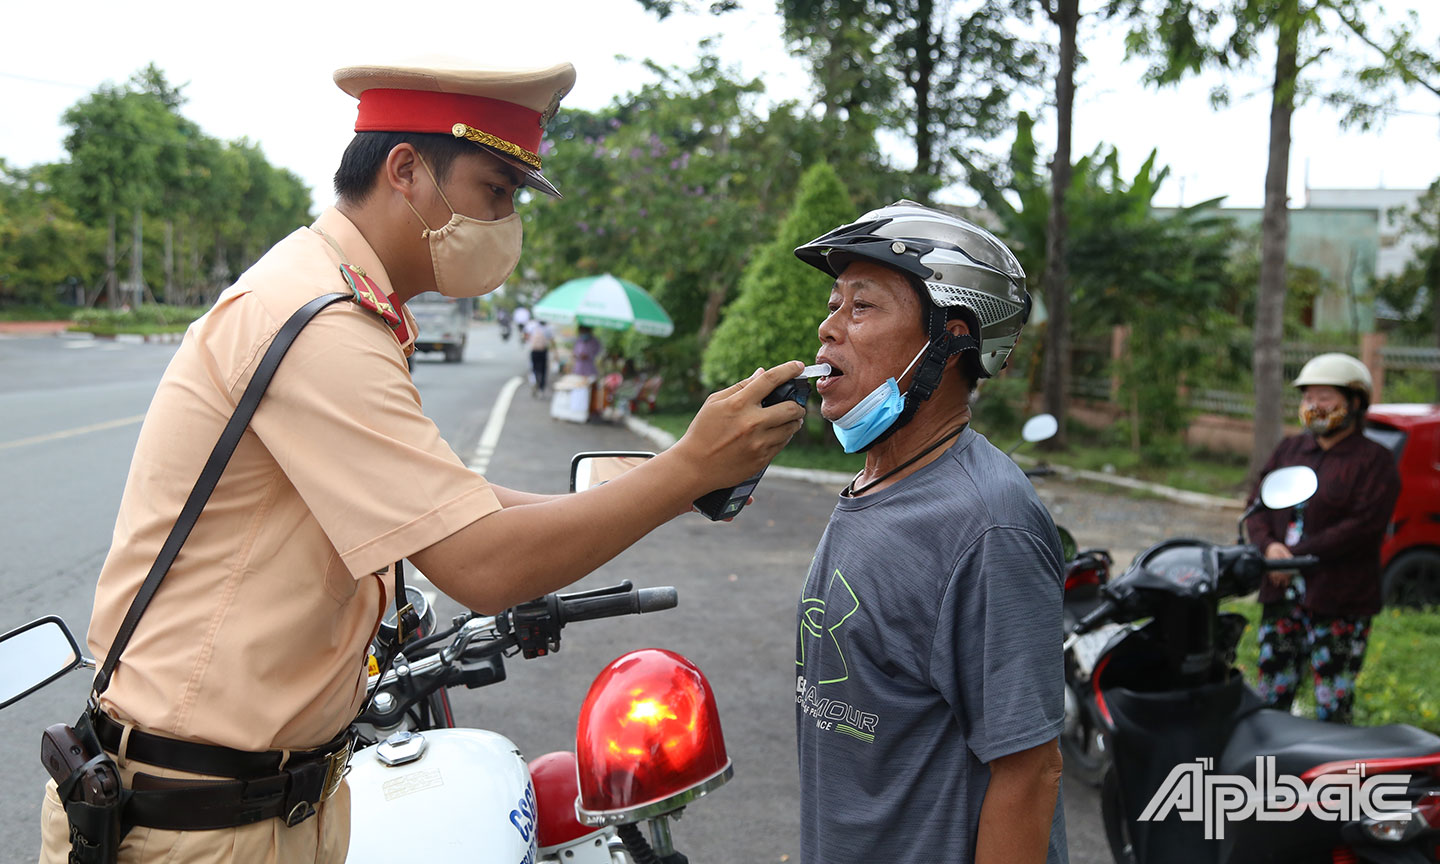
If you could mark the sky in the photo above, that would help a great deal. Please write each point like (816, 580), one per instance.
(263, 71)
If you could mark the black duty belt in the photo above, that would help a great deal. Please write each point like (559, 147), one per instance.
(261, 788)
(177, 755)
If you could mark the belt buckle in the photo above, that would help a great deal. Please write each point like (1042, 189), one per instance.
(337, 765)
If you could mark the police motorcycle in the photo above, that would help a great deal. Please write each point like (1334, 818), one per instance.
(648, 741)
(1082, 741)
(1201, 770)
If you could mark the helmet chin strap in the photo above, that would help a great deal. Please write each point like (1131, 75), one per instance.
(943, 346)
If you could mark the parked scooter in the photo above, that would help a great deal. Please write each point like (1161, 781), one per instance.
(648, 742)
(1191, 743)
(1082, 741)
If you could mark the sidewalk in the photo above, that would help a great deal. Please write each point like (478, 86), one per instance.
(33, 328)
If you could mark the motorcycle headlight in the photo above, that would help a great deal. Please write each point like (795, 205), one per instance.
(649, 739)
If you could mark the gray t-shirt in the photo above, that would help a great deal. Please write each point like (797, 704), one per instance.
(929, 644)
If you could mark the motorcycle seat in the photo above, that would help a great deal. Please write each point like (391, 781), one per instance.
(1299, 744)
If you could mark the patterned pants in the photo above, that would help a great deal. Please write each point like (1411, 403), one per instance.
(1333, 648)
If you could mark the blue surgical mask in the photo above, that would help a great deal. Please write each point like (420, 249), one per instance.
(872, 415)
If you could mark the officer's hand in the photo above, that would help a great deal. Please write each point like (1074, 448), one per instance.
(732, 437)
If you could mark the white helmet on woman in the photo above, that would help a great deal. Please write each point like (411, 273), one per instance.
(1337, 370)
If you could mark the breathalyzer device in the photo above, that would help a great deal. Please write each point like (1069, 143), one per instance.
(726, 503)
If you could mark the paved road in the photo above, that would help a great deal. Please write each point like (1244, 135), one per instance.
(69, 416)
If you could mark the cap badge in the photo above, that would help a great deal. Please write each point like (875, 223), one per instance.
(550, 110)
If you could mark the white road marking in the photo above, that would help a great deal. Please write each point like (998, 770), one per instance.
(480, 462)
(71, 433)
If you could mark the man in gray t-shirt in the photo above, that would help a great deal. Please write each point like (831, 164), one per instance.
(929, 673)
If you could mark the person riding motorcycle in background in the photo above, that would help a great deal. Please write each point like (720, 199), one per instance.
(1323, 618)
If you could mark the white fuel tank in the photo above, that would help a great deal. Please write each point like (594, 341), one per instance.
(454, 795)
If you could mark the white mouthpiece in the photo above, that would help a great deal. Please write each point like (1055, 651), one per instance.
(819, 370)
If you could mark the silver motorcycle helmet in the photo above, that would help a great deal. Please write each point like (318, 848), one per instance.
(959, 263)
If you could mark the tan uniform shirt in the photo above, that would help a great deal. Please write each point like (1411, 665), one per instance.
(257, 637)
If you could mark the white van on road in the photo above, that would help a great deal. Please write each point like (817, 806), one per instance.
(444, 323)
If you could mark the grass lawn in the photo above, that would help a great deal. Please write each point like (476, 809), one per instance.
(1400, 679)
(1097, 450)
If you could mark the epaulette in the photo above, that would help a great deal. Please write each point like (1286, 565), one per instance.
(369, 296)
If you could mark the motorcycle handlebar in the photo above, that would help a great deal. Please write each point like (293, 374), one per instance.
(1294, 563)
(1095, 618)
(630, 603)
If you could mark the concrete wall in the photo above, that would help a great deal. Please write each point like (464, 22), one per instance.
(1397, 248)
(1343, 244)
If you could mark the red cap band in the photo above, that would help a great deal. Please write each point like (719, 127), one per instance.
(383, 110)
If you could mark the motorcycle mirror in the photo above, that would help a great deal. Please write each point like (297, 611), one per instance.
(1041, 427)
(32, 655)
(1288, 487)
(1038, 428)
(1068, 547)
(591, 469)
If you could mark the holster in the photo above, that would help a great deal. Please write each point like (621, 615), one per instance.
(87, 782)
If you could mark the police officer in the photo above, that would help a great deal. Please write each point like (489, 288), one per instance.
(252, 652)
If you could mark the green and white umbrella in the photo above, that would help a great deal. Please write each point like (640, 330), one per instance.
(604, 301)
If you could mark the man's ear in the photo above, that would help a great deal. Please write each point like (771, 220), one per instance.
(400, 169)
(958, 327)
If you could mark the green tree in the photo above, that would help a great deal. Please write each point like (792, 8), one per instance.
(43, 245)
(1415, 291)
(1182, 37)
(125, 146)
(132, 153)
(944, 72)
(781, 300)
(1162, 276)
(673, 187)
(1065, 15)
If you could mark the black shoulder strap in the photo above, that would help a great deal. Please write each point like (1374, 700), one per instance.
(209, 476)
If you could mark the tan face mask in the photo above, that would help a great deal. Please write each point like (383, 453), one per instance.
(471, 257)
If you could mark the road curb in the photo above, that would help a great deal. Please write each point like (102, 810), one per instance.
(655, 435)
(1183, 496)
(663, 440)
(130, 338)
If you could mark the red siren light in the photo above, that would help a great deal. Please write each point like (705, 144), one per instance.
(649, 739)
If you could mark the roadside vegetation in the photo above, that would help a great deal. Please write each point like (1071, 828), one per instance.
(148, 319)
